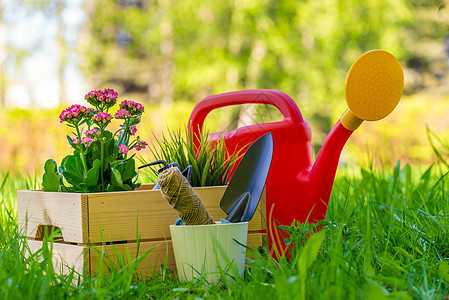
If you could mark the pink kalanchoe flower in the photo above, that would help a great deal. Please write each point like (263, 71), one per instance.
(91, 133)
(102, 98)
(123, 149)
(74, 142)
(135, 109)
(140, 145)
(133, 129)
(102, 119)
(122, 114)
(73, 114)
(87, 140)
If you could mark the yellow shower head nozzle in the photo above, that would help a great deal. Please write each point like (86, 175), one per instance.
(374, 85)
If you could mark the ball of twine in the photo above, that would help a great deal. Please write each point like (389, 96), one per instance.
(177, 191)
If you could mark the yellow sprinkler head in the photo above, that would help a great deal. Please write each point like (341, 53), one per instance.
(373, 88)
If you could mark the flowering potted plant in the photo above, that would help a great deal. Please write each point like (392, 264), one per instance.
(100, 161)
(92, 197)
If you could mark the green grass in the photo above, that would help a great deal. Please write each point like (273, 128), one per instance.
(385, 236)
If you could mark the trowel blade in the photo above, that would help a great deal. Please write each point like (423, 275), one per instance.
(249, 178)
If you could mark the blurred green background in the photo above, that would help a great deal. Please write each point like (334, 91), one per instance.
(170, 54)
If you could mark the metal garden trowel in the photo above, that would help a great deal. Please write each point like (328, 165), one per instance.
(243, 193)
(187, 172)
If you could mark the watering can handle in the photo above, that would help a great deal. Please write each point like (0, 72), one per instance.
(280, 100)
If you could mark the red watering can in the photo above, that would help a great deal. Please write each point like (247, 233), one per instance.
(297, 188)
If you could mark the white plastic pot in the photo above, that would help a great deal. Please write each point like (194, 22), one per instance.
(202, 250)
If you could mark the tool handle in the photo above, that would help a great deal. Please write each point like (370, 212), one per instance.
(278, 99)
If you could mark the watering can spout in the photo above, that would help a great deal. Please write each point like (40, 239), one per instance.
(323, 172)
(368, 98)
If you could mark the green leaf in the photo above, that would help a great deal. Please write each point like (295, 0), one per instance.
(135, 185)
(310, 252)
(94, 189)
(130, 170)
(50, 182)
(108, 143)
(308, 256)
(126, 187)
(70, 141)
(205, 173)
(112, 188)
(50, 166)
(443, 270)
(118, 164)
(96, 153)
(116, 178)
(196, 171)
(400, 295)
(108, 161)
(72, 169)
(93, 174)
(393, 281)
(62, 168)
(376, 292)
(73, 164)
(117, 182)
(73, 179)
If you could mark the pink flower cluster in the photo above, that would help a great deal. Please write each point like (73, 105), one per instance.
(122, 114)
(140, 145)
(87, 140)
(104, 98)
(136, 109)
(132, 130)
(90, 136)
(123, 149)
(91, 133)
(73, 114)
(102, 119)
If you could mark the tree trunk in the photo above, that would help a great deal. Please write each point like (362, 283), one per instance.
(61, 51)
(3, 56)
(167, 65)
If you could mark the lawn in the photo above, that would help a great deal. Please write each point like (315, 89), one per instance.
(384, 236)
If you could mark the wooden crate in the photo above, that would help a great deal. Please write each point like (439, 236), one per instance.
(99, 222)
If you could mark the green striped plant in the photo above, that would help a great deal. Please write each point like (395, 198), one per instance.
(211, 162)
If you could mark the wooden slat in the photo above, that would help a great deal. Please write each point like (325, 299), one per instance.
(85, 216)
(84, 258)
(97, 217)
(146, 187)
(162, 253)
(63, 210)
(118, 216)
(65, 256)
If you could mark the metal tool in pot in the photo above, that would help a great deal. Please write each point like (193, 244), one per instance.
(245, 188)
